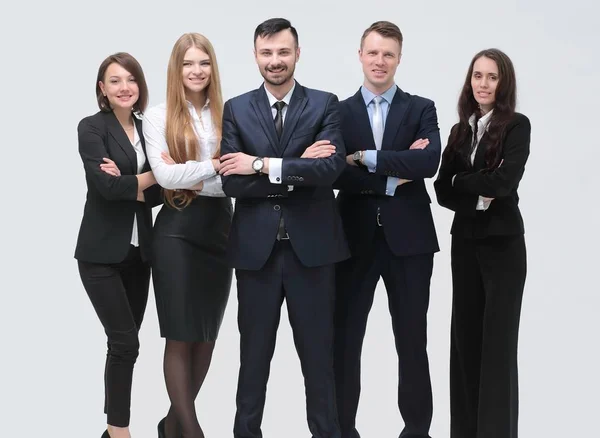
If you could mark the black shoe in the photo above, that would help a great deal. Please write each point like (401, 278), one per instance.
(105, 434)
(161, 428)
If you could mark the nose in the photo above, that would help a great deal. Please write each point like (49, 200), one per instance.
(379, 60)
(483, 83)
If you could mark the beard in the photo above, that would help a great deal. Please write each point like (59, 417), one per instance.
(279, 78)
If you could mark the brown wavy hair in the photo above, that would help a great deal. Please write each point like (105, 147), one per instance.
(459, 142)
(180, 135)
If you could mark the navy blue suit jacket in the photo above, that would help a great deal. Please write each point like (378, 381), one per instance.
(406, 216)
(310, 213)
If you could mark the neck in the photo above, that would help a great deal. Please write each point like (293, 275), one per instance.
(378, 90)
(280, 91)
(124, 116)
(197, 99)
(485, 109)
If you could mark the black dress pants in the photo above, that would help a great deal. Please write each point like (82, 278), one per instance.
(488, 277)
(407, 281)
(309, 294)
(119, 293)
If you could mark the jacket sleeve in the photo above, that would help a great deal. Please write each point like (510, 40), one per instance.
(92, 149)
(319, 171)
(501, 181)
(243, 186)
(415, 164)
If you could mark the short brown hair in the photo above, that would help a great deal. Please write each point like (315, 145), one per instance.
(130, 64)
(385, 29)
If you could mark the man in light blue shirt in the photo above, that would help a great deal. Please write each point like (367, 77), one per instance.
(393, 143)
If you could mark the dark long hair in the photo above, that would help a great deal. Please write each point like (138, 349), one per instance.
(459, 143)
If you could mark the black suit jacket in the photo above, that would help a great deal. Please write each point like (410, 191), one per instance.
(107, 224)
(406, 217)
(503, 216)
(309, 211)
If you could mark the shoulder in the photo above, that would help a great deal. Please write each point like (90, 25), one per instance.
(418, 101)
(319, 95)
(94, 121)
(520, 119)
(518, 125)
(242, 99)
(156, 114)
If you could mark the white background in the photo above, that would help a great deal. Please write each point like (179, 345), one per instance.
(53, 346)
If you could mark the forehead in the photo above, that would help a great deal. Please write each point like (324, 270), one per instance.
(281, 40)
(115, 69)
(375, 41)
(195, 54)
(485, 65)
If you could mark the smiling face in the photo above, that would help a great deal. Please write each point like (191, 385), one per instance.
(380, 57)
(120, 87)
(196, 70)
(484, 82)
(276, 56)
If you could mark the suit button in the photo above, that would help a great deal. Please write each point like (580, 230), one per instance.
(277, 208)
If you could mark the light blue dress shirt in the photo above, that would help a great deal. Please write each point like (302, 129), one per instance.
(370, 156)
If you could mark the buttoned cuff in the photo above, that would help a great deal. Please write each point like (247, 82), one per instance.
(275, 170)
(370, 160)
(392, 184)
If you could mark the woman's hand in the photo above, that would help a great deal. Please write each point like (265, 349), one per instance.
(110, 167)
(167, 158)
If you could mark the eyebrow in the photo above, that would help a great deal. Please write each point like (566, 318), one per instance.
(490, 73)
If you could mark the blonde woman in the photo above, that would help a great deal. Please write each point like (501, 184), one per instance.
(191, 278)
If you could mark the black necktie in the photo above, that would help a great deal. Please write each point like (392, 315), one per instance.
(279, 117)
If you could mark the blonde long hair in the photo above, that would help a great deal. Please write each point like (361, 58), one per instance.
(180, 135)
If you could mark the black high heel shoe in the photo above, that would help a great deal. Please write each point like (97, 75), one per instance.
(161, 428)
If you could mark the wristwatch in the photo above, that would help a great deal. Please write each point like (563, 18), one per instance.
(258, 165)
(357, 158)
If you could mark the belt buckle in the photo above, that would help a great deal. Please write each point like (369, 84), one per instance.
(286, 236)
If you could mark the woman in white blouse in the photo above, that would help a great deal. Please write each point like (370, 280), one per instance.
(190, 274)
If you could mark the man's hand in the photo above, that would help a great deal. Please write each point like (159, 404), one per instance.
(237, 163)
(421, 143)
(319, 149)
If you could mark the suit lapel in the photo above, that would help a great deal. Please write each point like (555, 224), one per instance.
(297, 104)
(118, 133)
(361, 119)
(260, 103)
(395, 115)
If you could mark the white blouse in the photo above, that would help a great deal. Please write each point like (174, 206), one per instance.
(482, 126)
(190, 173)
(141, 160)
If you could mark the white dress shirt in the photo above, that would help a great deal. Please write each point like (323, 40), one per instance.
(192, 172)
(482, 126)
(141, 160)
(276, 163)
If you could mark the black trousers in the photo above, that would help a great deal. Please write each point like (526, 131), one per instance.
(309, 294)
(119, 293)
(488, 277)
(407, 281)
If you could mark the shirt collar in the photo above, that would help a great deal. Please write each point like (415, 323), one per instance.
(482, 122)
(287, 98)
(190, 105)
(387, 95)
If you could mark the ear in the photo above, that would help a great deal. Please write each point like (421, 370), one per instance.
(101, 84)
(297, 53)
(360, 54)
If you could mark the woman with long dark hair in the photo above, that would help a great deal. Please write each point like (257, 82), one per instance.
(113, 246)
(190, 274)
(482, 166)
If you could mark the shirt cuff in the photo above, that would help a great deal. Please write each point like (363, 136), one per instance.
(212, 187)
(275, 170)
(370, 160)
(453, 178)
(392, 184)
(482, 204)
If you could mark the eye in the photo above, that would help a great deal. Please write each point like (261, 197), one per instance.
(205, 63)
(187, 63)
(113, 81)
(132, 80)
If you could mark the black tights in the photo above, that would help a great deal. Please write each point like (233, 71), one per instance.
(185, 367)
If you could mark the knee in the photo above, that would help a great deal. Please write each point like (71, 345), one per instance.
(124, 346)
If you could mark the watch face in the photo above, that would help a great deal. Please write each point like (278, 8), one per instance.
(257, 164)
(356, 155)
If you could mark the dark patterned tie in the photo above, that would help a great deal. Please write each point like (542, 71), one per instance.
(279, 117)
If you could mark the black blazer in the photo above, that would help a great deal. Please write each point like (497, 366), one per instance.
(406, 217)
(309, 211)
(107, 224)
(503, 216)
